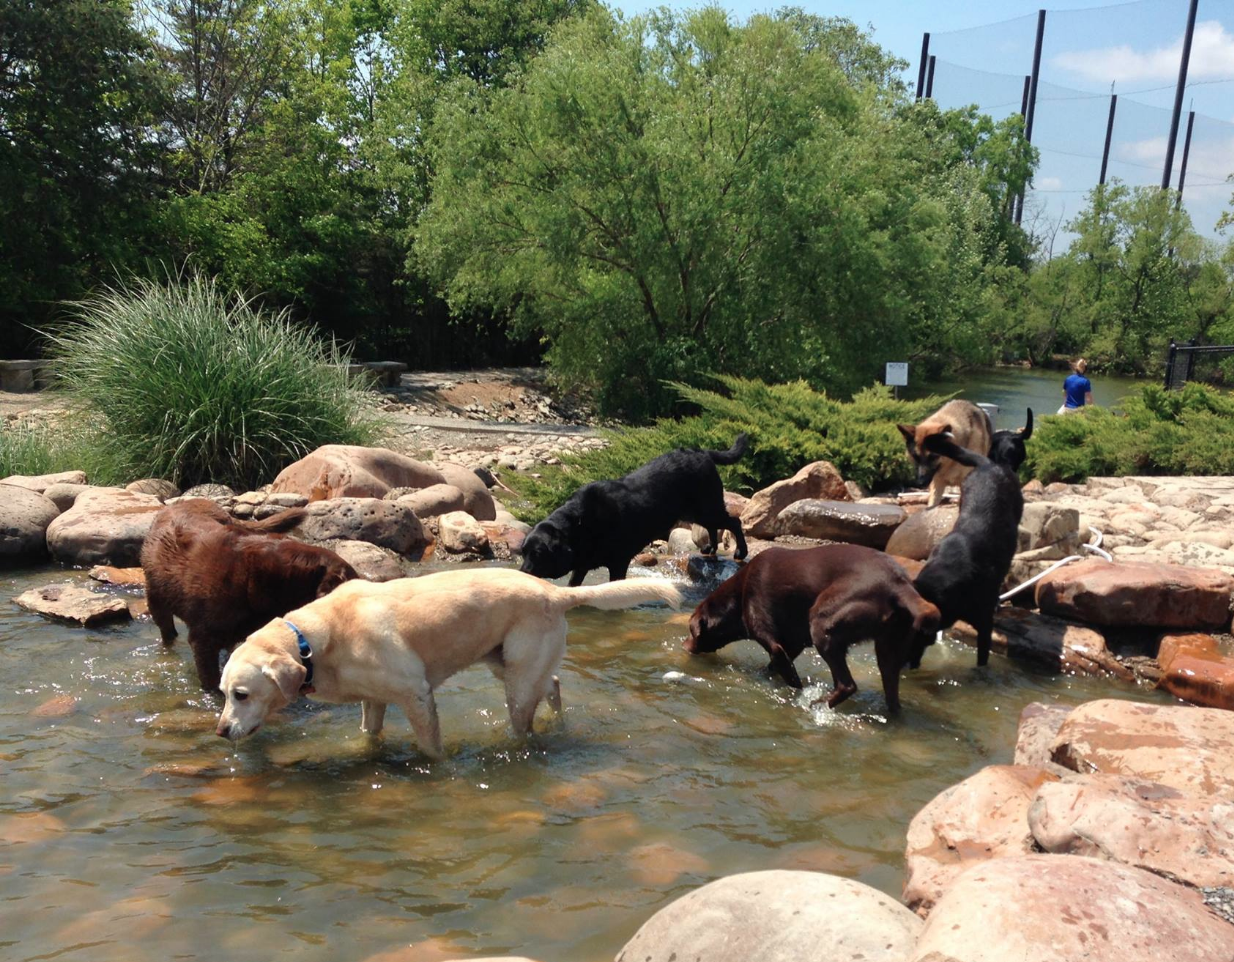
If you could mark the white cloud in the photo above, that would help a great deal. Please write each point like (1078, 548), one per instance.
(1212, 55)
(1210, 159)
(1048, 183)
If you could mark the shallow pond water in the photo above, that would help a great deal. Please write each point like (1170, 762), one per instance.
(129, 830)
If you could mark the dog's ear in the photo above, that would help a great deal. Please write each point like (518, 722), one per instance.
(910, 433)
(927, 618)
(1026, 432)
(288, 675)
(333, 576)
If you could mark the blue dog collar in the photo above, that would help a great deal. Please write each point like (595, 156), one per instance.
(306, 655)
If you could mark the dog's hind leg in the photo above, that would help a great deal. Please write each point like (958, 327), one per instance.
(372, 716)
(886, 651)
(984, 624)
(421, 711)
(554, 695)
(532, 653)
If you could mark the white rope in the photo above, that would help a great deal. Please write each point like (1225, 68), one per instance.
(1094, 547)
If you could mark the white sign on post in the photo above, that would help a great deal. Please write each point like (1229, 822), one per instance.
(897, 374)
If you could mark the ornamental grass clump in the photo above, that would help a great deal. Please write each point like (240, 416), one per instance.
(187, 383)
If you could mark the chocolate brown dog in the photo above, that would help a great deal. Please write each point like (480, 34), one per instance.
(830, 597)
(226, 578)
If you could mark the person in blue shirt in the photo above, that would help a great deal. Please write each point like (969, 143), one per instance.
(1077, 389)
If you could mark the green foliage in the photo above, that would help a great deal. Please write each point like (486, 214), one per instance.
(790, 425)
(1158, 432)
(668, 196)
(188, 385)
(69, 445)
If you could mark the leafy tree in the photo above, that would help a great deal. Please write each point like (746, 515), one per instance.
(77, 93)
(670, 196)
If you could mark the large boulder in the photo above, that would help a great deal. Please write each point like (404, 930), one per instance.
(819, 480)
(1049, 530)
(460, 533)
(104, 526)
(477, 501)
(384, 523)
(41, 482)
(69, 602)
(1059, 645)
(1034, 741)
(1138, 595)
(866, 524)
(1190, 749)
(372, 562)
(24, 517)
(777, 916)
(1198, 672)
(350, 471)
(1064, 908)
(64, 493)
(1138, 822)
(984, 816)
(159, 487)
(433, 501)
(922, 531)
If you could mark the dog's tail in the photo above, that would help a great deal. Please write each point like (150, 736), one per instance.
(283, 521)
(945, 445)
(621, 594)
(733, 454)
(1026, 432)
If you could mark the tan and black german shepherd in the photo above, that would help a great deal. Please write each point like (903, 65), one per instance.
(968, 426)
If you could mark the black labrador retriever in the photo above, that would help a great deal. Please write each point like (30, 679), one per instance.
(604, 524)
(965, 572)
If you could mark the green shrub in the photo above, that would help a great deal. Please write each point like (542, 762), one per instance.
(1159, 432)
(188, 384)
(789, 425)
(39, 448)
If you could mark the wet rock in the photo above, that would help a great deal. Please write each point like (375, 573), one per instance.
(39, 483)
(985, 816)
(657, 864)
(866, 524)
(477, 501)
(109, 575)
(215, 492)
(58, 706)
(460, 533)
(1190, 749)
(1137, 595)
(158, 487)
(384, 523)
(1200, 674)
(1060, 645)
(1039, 725)
(681, 541)
(505, 539)
(1171, 644)
(1063, 908)
(922, 531)
(24, 517)
(372, 562)
(64, 493)
(433, 501)
(1140, 823)
(349, 471)
(819, 480)
(103, 527)
(646, 560)
(72, 603)
(777, 916)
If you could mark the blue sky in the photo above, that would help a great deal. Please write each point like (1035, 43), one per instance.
(984, 49)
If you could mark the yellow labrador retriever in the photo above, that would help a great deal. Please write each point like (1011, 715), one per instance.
(399, 640)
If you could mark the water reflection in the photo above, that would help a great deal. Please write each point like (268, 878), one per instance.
(128, 830)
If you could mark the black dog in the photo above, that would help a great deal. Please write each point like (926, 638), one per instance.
(604, 524)
(965, 571)
(1007, 447)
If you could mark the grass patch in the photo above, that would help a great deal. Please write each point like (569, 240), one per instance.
(182, 381)
(790, 425)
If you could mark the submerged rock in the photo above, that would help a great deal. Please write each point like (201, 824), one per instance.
(73, 603)
(1063, 908)
(777, 916)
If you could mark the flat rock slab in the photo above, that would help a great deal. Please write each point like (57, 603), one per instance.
(25, 516)
(73, 603)
(1140, 823)
(922, 531)
(108, 575)
(1189, 749)
(865, 524)
(41, 482)
(1201, 676)
(104, 526)
(1064, 908)
(985, 816)
(819, 479)
(1137, 595)
(777, 916)
(351, 471)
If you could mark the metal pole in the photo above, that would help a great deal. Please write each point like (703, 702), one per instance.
(930, 79)
(1183, 63)
(1032, 94)
(1169, 365)
(1024, 97)
(1182, 169)
(1017, 202)
(1109, 133)
(925, 56)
